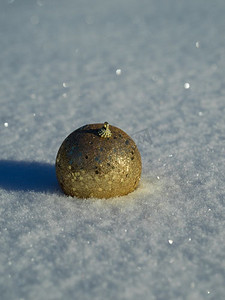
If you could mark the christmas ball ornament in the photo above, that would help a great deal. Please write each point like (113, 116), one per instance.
(98, 161)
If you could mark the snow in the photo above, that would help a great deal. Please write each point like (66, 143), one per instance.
(60, 62)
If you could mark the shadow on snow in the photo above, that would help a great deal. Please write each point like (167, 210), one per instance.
(27, 176)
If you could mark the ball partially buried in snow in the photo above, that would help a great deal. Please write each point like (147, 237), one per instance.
(98, 161)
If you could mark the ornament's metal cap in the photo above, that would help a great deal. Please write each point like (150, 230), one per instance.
(105, 131)
(98, 160)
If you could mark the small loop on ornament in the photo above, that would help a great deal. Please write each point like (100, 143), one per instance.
(105, 132)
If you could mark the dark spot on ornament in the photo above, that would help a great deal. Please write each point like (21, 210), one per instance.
(115, 137)
(96, 172)
(132, 152)
(91, 142)
(108, 164)
(86, 156)
(101, 149)
(127, 142)
(132, 158)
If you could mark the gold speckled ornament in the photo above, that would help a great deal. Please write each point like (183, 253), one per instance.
(98, 161)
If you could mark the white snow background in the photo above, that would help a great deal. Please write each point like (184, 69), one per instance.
(60, 65)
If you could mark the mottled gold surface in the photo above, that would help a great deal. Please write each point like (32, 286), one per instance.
(88, 165)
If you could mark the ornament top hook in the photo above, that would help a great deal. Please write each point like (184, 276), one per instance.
(105, 132)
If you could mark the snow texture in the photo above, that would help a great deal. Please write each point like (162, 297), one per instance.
(154, 68)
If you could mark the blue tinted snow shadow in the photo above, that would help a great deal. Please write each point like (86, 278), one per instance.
(27, 176)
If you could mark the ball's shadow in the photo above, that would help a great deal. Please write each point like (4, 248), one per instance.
(27, 176)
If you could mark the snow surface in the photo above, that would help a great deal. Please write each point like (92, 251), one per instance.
(153, 68)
